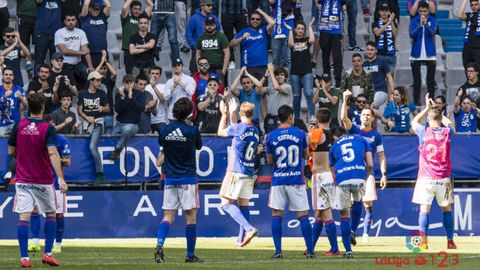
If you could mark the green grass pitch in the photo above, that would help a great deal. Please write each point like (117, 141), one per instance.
(221, 253)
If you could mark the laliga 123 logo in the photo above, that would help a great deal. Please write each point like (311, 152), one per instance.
(416, 241)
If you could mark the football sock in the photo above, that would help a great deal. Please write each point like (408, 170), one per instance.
(277, 233)
(35, 228)
(191, 235)
(246, 213)
(345, 229)
(448, 224)
(423, 222)
(356, 214)
(316, 231)
(331, 229)
(367, 220)
(50, 228)
(235, 213)
(60, 229)
(306, 232)
(162, 232)
(22, 234)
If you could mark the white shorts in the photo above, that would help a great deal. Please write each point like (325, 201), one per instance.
(426, 189)
(237, 185)
(180, 197)
(323, 191)
(370, 190)
(30, 195)
(61, 202)
(347, 191)
(295, 196)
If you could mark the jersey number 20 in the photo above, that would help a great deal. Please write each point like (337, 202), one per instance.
(293, 156)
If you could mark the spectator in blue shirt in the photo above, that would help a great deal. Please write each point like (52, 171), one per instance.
(94, 21)
(396, 115)
(12, 102)
(465, 113)
(381, 74)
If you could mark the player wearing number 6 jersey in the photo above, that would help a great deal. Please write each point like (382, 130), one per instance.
(434, 168)
(351, 162)
(287, 148)
(240, 176)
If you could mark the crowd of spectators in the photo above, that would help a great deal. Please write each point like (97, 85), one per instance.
(84, 95)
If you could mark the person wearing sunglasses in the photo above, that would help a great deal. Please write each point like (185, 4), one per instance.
(13, 51)
(208, 106)
(355, 110)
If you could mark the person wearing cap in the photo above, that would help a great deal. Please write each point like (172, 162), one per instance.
(94, 21)
(422, 32)
(278, 93)
(47, 23)
(164, 18)
(92, 104)
(208, 105)
(142, 47)
(64, 120)
(385, 30)
(196, 27)
(471, 47)
(180, 85)
(41, 84)
(214, 46)
(327, 96)
(131, 10)
(61, 79)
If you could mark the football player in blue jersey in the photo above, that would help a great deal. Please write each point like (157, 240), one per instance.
(240, 177)
(179, 168)
(351, 162)
(376, 143)
(287, 149)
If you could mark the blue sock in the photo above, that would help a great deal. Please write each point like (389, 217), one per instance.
(35, 225)
(277, 233)
(367, 220)
(246, 213)
(306, 232)
(191, 235)
(332, 235)
(356, 214)
(60, 229)
(22, 234)
(162, 232)
(448, 224)
(316, 231)
(423, 223)
(235, 213)
(50, 228)
(345, 229)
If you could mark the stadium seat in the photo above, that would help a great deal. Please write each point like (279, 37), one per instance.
(451, 93)
(454, 60)
(164, 60)
(403, 42)
(232, 74)
(112, 43)
(120, 74)
(439, 45)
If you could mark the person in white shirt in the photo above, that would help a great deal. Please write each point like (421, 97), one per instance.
(73, 43)
(180, 85)
(160, 93)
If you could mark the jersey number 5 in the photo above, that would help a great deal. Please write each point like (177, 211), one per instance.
(348, 155)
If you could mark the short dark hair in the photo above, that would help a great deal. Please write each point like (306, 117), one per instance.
(300, 23)
(66, 94)
(182, 108)
(36, 102)
(362, 95)
(156, 68)
(245, 77)
(284, 113)
(422, 4)
(135, 3)
(8, 68)
(8, 30)
(257, 13)
(337, 132)
(69, 15)
(436, 112)
(143, 16)
(280, 70)
(142, 77)
(202, 58)
(372, 43)
(472, 64)
(357, 55)
(47, 66)
(323, 115)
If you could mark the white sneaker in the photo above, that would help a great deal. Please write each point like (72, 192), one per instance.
(365, 238)
(231, 65)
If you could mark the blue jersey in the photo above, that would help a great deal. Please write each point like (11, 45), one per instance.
(466, 121)
(179, 141)
(400, 115)
(347, 156)
(253, 49)
(10, 106)
(287, 146)
(354, 115)
(64, 152)
(373, 138)
(244, 147)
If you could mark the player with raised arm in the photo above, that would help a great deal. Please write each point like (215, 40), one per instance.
(351, 162)
(240, 177)
(376, 143)
(434, 168)
(64, 151)
(287, 148)
(179, 167)
(319, 142)
(32, 143)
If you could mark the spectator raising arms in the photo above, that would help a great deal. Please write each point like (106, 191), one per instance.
(109, 76)
(278, 94)
(93, 21)
(13, 51)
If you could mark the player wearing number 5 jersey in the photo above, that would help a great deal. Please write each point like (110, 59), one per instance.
(434, 168)
(351, 162)
(287, 148)
(374, 139)
(240, 176)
